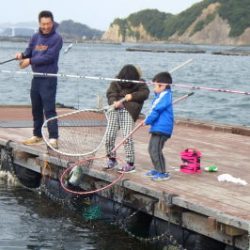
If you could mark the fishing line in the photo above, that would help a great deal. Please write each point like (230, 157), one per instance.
(70, 46)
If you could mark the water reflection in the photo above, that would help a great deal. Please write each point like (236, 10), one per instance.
(31, 221)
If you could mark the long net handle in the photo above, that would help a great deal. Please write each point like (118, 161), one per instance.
(142, 122)
(130, 134)
(112, 107)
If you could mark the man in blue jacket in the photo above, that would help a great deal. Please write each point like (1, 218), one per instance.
(42, 54)
(161, 121)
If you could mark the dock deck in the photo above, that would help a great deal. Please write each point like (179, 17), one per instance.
(199, 202)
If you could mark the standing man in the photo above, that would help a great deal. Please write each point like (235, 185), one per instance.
(42, 54)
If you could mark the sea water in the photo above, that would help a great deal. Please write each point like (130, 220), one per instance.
(105, 60)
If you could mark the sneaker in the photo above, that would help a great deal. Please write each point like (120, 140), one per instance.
(110, 164)
(53, 143)
(127, 169)
(161, 177)
(33, 140)
(151, 173)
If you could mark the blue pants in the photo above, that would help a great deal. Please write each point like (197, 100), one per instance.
(43, 100)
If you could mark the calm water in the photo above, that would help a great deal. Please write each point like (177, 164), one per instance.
(28, 221)
(228, 72)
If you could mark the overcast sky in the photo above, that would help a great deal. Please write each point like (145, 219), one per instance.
(94, 13)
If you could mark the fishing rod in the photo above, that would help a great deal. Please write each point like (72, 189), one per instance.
(67, 76)
(192, 87)
(10, 60)
(180, 66)
(68, 48)
(86, 77)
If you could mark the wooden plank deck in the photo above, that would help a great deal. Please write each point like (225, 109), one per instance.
(225, 146)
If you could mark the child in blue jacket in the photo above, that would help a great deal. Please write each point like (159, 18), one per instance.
(161, 121)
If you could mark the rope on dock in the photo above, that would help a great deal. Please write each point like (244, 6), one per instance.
(45, 189)
(164, 236)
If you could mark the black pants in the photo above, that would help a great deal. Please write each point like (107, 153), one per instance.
(156, 145)
(43, 100)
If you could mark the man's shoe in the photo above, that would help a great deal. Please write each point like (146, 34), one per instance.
(33, 140)
(53, 143)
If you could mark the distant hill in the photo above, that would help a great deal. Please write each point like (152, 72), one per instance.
(30, 25)
(24, 29)
(208, 22)
(69, 29)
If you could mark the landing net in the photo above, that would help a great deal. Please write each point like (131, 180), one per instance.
(81, 132)
(81, 136)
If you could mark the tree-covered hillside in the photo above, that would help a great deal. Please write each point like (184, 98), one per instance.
(237, 12)
(163, 25)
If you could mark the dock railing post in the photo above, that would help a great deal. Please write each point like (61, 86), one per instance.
(99, 102)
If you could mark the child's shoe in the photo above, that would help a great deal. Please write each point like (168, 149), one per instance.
(111, 163)
(127, 169)
(151, 173)
(161, 177)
